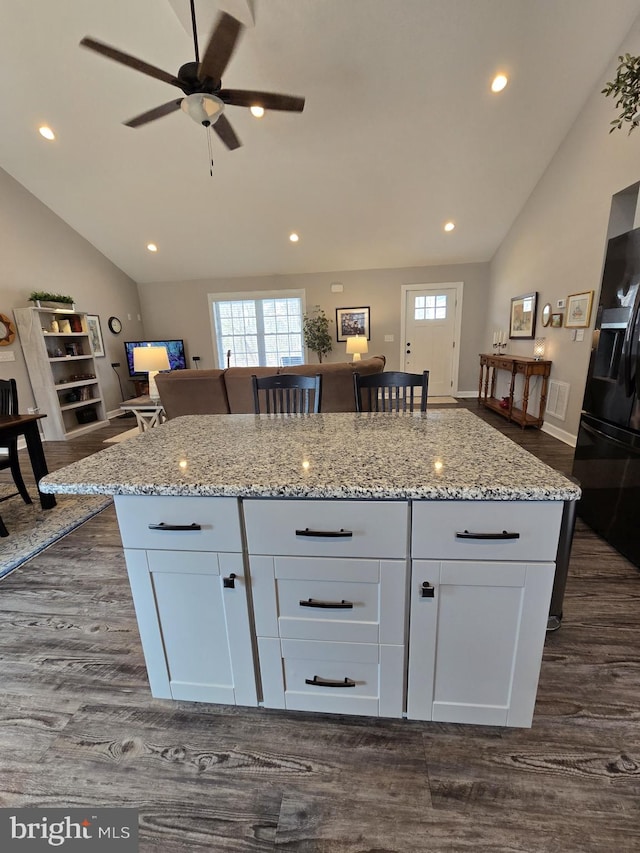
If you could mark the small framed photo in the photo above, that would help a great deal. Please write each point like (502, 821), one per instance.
(522, 322)
(578, 310)
(95, 335)
(556, 321)
(352, 321)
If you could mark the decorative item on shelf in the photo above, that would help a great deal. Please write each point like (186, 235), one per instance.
(95, 335)
(75, 323)
(538, 349)
(353, 321)
(151, 360)
(625, 88)
(357, 345)
(7, 331)
(44, 299)
(579, 310)
(315, 329)
(499, 341)
(55, 327)
(504, 403)
(64, 326)
(522, 321)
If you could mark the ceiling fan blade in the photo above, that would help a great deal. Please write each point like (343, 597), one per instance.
(130, 61)
(222, 43)
(226, 133)
(268, 100)
(156, 112)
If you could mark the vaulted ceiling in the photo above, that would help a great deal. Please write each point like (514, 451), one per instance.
(399, 134)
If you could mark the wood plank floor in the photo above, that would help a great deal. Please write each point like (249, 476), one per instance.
(78, 726)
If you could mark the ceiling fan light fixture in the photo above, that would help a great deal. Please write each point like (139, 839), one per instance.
(256, 111)
(203, 108)
(46, 132)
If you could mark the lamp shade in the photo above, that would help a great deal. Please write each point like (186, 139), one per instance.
(538, 349)
(150, 358)
(356, 345)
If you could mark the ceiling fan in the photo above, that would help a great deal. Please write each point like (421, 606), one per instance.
(201, 82)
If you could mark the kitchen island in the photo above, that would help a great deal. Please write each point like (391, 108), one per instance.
(375, 564)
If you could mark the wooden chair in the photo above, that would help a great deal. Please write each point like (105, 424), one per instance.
(287, 394)
(393, 391)
(9, 406)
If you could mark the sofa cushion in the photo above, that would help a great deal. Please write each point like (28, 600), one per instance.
(338, 394)
(240, 388)
(193, 392)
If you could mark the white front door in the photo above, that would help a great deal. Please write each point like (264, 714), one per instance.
(431, 324)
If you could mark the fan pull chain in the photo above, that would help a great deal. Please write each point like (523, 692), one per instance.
(210, 149)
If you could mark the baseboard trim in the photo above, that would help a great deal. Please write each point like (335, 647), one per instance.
(560, 434)
(465, 395)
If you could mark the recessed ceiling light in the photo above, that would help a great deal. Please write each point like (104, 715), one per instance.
(499, 82)
(449, 226)
(46, 132)
(257, 111)
(152, 247)
(294, 237)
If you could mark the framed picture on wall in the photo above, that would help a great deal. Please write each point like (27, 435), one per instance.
(95, 335)
(556, 321)
(522, 321)
(578, 310)
(352, 321)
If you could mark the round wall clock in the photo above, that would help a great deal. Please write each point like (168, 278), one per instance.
(115, 325)
(7, 331)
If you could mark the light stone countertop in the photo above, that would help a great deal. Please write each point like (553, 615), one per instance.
(445, 454)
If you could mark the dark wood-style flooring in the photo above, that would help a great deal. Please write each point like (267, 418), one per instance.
(78, 726)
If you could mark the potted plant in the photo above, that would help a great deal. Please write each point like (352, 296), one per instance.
(44, 299)
(315, 328)
(626, 89)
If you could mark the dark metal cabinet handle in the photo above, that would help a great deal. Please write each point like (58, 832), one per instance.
(315, 602)
(316, 681)
(426, 590)
(164, 526)
(331, 534)
(504, 535)
(230, 582)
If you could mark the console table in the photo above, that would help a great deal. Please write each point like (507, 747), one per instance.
(490, 364)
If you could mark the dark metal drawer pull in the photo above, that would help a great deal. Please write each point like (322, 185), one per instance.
(332, 534)
(229, 582)
(504, 535)
(327, 682)
(164, 526)
(314, 602)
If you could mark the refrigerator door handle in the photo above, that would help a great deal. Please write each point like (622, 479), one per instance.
(629, 383)
(591, 430)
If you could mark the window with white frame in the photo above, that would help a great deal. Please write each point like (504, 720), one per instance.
(258, 329)
(431, 307)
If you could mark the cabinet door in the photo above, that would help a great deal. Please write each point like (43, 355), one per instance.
(194, 629)
(475, 644)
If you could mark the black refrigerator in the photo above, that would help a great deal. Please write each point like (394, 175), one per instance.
(607, 457)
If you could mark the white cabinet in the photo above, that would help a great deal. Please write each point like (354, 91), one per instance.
(478, 623)
(186, 570)
(329, 584)
(62, 370)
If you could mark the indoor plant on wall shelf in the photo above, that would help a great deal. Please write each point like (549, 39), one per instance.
(626, 89)
(316, 332)
(44, 299)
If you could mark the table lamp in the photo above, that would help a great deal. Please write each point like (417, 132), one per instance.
(356, 345)
(151, 360)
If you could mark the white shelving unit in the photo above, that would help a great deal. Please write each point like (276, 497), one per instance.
(62, 371)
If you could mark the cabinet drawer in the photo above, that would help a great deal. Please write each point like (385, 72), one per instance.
(216, 523)
(326, 528)
(486, 530)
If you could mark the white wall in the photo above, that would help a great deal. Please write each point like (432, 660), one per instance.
(556, 246)
(38, 251)
(180, 309)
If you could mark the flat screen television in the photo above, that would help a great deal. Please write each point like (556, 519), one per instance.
(177, 357)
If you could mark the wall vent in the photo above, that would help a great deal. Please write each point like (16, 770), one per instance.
(557, 399)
